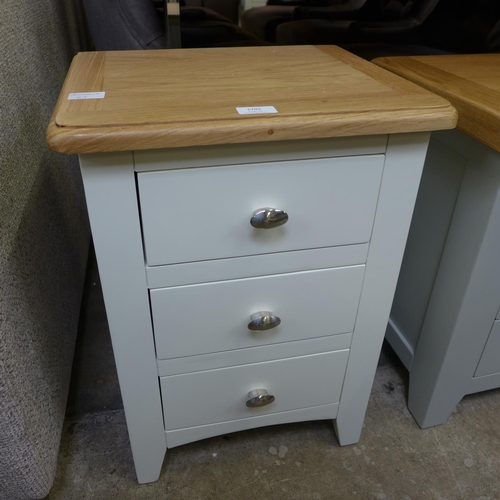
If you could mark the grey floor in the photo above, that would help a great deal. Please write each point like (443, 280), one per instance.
(395, 459)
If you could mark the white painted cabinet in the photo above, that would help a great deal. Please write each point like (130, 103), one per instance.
(204, 304)
(442, 323)
(448, 296)
(184, 273)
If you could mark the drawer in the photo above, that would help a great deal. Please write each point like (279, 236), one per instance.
(212, 396)
(200, 214)
(212, 317)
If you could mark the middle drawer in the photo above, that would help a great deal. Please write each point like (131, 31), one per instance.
(213, 317)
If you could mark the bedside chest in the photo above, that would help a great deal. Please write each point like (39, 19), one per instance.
(445, 320)
(248, 257)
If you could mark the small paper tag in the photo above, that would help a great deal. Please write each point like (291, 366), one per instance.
(86, 95)
(257, 110)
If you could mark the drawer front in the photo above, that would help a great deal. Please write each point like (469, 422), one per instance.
(204, 213)
(213, 317)
(220, 395)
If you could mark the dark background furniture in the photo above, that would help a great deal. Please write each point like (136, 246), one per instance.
(226, 8)
(369, 28)
(138, 24)
(372, 28)
(264, 21)
(395, 30)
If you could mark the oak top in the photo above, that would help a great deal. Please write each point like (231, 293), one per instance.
(186, 97)
(470, 82)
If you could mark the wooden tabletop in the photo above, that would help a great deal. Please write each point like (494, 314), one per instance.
(187, 97)
(470, 82)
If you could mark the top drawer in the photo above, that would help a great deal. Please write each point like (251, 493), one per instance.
(204, 213)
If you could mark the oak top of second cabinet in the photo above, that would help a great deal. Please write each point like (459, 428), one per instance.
(470, 82)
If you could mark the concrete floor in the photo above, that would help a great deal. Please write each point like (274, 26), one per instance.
(395, 459)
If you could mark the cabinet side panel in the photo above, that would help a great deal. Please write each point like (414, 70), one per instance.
(401, 177)
(436, 199)
(465, 296)
(112, 205)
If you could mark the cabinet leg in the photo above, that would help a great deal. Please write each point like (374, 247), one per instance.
(148, 462)
(431, 401)
(347, 431)
(433, 410)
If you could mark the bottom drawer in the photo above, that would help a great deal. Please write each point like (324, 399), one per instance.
(212, 396)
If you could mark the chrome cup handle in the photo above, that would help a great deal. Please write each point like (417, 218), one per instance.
(267, 218)
(259, 398)
(263, 320)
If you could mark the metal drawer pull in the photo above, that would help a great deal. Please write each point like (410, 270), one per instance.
(267, 218)
(263, 320)
(258, 398)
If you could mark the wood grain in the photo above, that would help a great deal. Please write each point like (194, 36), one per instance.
(470, 82)
(176, 98)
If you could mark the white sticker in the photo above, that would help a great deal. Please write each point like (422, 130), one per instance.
(257, 110)
(86, 95)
